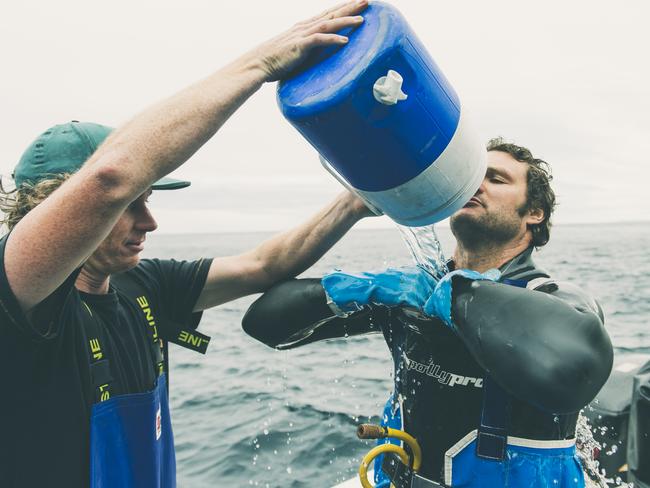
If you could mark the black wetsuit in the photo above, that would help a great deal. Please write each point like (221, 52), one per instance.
(548, 350)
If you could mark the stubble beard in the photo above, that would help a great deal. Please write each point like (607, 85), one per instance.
(488, 230)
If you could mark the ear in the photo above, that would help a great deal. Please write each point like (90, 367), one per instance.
(535, 216)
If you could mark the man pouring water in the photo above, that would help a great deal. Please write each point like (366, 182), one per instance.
(83, 320)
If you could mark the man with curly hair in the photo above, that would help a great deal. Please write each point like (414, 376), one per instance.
(492, 361)
(83, 321)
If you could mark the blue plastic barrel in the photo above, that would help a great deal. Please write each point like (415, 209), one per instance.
(387, 123)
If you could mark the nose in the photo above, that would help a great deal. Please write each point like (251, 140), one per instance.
(145, 221)
(481, 189)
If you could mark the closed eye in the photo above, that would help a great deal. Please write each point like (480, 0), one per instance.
(498, 176)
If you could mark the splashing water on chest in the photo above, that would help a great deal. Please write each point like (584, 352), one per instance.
(424, 246)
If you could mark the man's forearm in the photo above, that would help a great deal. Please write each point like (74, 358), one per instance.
(292, 252)
(295, 313)
(160, 139)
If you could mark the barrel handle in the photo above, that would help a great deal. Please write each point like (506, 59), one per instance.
(330, 169)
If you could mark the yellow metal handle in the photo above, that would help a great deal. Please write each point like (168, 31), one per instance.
(369, 431)
(372, 454)
(412, 443)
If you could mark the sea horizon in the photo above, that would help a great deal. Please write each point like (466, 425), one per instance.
(391, 226)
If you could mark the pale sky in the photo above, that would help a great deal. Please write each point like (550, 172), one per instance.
(570, 80)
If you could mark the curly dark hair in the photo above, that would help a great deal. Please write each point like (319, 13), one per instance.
(539, 194)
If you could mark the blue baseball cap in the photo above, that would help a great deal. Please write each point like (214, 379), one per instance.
(64, 149)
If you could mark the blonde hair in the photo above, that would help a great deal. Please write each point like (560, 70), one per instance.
(16, 203)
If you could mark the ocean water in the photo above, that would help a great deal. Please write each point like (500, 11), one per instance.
(247, 415)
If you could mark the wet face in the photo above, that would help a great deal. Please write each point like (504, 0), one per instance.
(121, 249)
(497, 213)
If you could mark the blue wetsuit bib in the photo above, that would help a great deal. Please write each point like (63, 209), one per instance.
(131, 438)
(527, 463)
(131, 441)
(501, 460)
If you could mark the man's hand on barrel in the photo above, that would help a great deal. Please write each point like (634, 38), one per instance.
(280, 55)
(357, 207)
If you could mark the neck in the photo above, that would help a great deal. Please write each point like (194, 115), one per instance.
(488, 255)
(91, 281)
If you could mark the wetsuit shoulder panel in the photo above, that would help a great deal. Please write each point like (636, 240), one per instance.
(549, 349)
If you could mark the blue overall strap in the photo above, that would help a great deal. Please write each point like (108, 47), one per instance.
(100, 371)
(159, 349)
(492, 436)
(165, 353)
(156, 346)
(514, 282)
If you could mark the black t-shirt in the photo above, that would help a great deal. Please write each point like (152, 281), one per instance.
(47, 392)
